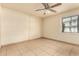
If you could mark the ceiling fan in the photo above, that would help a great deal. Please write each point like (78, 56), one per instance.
(48, 7)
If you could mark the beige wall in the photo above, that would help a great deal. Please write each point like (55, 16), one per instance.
(17, 26)
(52, 28)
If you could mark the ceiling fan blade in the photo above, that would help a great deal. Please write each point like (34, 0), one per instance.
(51, 10)
(39, 9)
(45, 5)
(56, 5)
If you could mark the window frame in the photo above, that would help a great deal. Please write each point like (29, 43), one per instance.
(77, 25)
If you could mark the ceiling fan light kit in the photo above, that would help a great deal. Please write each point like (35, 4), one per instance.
(45, 12)
(47, 8)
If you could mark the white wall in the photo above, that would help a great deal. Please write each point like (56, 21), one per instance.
(18, 26)
(52, 28)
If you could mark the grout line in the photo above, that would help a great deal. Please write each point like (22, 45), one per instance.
(70, 51)
(20, 52)
(44, 50)
(6, 50)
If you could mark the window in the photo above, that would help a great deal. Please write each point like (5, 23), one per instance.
(70, 24)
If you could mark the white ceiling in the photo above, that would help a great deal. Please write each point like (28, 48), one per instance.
(31, 7)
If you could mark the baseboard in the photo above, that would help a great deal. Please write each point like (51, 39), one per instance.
(40, 38)
(19, 42)
(62, 41)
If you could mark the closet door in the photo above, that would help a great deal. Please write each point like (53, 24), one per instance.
(0, 32)
(0, 23)
(27, 27)
(15, 27)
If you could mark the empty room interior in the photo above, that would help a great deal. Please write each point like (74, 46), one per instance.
(39, 29)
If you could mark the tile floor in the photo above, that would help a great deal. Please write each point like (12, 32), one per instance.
(40, 47)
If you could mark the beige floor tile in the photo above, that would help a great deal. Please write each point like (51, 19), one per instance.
(30, 53)
(40, 52)
(3, 51)
(26, 51)
(39, 47)
(12, 51)
(75, 51)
